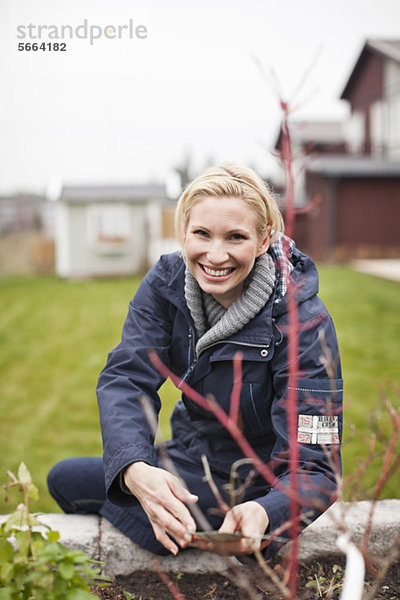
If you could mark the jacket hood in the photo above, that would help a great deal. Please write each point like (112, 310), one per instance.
(304, 277)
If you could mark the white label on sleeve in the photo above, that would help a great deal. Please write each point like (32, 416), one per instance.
(318, 429)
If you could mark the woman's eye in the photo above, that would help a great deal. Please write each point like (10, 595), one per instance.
(238, 236)
(201, 232)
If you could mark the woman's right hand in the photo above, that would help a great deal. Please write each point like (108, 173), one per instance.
(163, 498)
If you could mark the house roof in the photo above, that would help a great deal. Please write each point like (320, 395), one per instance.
(349, 166)
(112, 193)
(389, 49)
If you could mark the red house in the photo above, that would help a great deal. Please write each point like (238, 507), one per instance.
(355, 189)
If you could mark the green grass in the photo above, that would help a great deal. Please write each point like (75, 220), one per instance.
(367, 318)
(55, 336)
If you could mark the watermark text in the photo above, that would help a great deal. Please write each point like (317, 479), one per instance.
(84, 31)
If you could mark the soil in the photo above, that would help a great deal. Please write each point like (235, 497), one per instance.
(319, 579)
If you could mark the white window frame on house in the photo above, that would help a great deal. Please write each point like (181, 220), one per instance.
(378, 128)
(394, 127)
(108, 227)
(355, 132)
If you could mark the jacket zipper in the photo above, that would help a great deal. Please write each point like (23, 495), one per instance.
(194, 362)
(237, 344)
(246, 344)
(192, 365)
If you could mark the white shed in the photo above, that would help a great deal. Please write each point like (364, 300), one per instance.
(108, 230)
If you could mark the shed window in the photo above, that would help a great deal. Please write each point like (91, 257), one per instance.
(108, 224)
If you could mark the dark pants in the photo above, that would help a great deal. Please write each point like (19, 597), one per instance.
(77, 485)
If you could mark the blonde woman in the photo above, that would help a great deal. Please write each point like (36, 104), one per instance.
(225, 291)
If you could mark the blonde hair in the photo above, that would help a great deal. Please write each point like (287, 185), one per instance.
(235, 181)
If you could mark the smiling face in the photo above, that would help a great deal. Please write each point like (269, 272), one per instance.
(221, 244)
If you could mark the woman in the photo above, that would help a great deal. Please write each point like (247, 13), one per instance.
(226, 291)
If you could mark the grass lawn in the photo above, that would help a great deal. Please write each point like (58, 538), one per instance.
(55, 336)
(367, 318)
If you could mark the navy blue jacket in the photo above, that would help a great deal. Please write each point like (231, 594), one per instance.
(159, 319)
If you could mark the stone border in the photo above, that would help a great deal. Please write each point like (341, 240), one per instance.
(99, 539)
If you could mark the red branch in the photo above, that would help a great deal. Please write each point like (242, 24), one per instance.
(287, 158)
(170, 584)
(304, 325)
(304, 208)
(395, 415)
(293, 358)
(237, 386)
(292, 418)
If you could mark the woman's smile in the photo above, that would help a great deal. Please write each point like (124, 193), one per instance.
(218, 273)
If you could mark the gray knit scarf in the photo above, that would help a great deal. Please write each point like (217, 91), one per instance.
(213, 322)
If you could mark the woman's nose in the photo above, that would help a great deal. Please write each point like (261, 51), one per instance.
(217, 253)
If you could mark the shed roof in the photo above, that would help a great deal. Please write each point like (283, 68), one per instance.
(135, 193)
(389, 49)
(349, 166)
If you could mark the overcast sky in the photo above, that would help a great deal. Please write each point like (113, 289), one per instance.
(130, 109)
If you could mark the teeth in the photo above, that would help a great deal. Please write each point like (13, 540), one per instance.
(219, 273)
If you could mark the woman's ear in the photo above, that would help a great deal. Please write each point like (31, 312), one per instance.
(264, 245)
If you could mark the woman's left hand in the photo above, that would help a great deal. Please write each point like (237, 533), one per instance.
(250, 519)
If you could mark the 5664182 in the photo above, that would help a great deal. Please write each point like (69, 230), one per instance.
(44, 46)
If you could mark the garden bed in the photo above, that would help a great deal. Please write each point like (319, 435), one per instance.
(318, 579)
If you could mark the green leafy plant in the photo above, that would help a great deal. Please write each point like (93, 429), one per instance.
(33, 564)
(328, 587)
